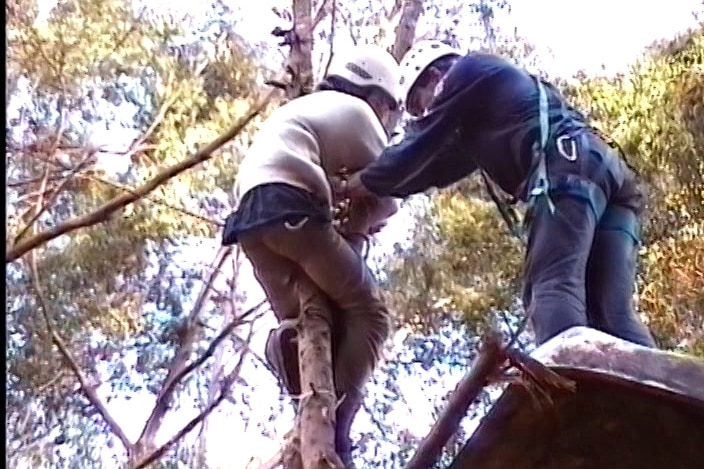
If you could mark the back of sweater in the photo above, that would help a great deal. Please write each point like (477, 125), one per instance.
(309, 139)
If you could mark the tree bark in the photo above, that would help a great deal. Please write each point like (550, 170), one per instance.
(299, 64)
(487, 363)
(406, 29)
(318, 399)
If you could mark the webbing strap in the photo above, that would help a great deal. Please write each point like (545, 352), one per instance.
(539, 176)
(541, 185)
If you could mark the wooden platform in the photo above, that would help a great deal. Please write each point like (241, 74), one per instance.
(634, 408)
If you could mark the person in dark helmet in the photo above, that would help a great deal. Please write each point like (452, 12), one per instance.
(284, 224)
(479, 112)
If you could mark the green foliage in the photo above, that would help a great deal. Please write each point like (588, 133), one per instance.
(83, 62)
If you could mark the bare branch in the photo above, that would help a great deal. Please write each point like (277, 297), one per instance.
(225, 388)
(321, 13)
(75, 172)
(485, 365)
(88, 389)
(184, 351)
(104, 212)
(154, 200)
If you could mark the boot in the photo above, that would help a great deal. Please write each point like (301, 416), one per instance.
(281, 353)
(344, 416)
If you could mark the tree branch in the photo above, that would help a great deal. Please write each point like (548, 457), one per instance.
(487, 363)
(75, 172)
(88, 389)
(104, 212)
(225, 387)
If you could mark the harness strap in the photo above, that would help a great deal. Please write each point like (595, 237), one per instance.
(541, 185)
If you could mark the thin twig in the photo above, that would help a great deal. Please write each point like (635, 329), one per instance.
(320, 14)
(226, 331)
(104, 212)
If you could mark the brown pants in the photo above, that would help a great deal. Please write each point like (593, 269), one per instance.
(288, 260)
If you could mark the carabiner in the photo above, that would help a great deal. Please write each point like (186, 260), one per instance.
(560, 144)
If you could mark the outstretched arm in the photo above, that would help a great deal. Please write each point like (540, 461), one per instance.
(431, 154)
(412, 165)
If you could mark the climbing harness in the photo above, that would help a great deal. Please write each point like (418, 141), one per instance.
(538, 178)
(541, 185)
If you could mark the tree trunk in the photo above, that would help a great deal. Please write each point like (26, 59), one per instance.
(314, 434)
(316, 417)
(299, 64)
(406, 29)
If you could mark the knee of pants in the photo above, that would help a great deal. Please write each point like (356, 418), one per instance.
(369, 330)
(552, 312)
(359, 349)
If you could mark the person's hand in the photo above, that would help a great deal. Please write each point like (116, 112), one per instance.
(352, 187)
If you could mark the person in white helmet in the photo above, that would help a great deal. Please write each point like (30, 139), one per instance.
(479, 112)
(284, 224)
(422, 68)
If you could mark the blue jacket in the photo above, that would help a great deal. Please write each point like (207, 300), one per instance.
(486, 116)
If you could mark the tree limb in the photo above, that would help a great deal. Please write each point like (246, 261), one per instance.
(178, 364)
(104, 212)
(485, 365)
(88, 389)
(75, 172)
(225, 387)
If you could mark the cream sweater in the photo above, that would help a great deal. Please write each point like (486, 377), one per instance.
(311, 138)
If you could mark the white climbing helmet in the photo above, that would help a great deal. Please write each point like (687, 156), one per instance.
(368, 65)
(418, 58)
